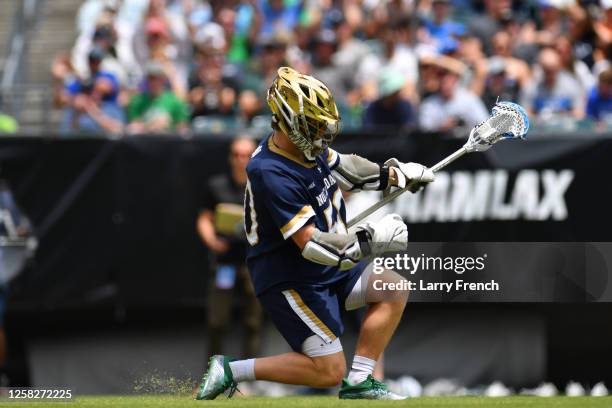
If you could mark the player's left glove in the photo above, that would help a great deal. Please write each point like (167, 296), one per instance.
(407, 172)
(387, 235)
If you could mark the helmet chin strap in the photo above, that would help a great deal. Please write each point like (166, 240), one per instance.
(319, 145)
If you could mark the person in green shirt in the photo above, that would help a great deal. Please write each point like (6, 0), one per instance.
(157, 109)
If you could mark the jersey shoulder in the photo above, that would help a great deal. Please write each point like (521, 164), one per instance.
(266, 164)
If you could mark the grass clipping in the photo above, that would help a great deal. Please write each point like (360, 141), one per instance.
(157, 383)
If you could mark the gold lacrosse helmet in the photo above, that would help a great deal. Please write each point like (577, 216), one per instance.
(305, 110)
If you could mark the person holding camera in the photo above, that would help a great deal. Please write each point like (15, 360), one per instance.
(220, 225)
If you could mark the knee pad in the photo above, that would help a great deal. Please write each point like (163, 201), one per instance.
(315, 346)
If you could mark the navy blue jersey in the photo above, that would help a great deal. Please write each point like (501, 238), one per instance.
(283, 194)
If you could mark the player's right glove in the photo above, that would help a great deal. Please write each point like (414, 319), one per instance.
(387, 235)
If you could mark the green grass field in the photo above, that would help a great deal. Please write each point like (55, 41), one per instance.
(308, 402)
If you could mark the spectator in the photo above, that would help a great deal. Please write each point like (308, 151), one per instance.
(582, 34)
(220, 227)
(350, 50)
(575, 67)
(323, 66)
(602, 57)
(397, 55)
(249, 108)
(246, 28)
(164, 37)
(551, 22)
(95, 73)
(214, 85)
(485, 26)
(518, 70)
(441, 27)
(499, 85)
(262, 70)
(390, 109)
(452, 105)
(93, 11)
(156, 108)
(279, 16)
(603, 27)
(471, 54)
(599, 105)
(345, 43)
(553, 91)
(92, 102)
(62, 73)
(104, 38)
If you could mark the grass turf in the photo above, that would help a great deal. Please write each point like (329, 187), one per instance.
(308, 402)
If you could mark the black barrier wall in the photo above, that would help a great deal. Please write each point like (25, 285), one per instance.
(116, 218)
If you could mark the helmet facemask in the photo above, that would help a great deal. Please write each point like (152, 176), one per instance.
(311, 136)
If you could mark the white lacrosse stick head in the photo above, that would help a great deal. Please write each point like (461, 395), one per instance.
(508, 121)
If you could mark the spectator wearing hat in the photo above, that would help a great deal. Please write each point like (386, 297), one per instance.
(599, 104)
(103, 37)
(157, 108)
(159, 48)
(271, 54)
(93, 101)
(553, 92)
(452, 105)
(107, 85)
(164, 37)
(390, 109)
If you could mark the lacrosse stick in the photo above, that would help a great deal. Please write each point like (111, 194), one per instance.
(508, 121)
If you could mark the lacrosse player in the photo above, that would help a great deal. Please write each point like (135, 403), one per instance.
(304, 263)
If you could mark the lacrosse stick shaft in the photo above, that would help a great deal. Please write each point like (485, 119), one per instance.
(392, 196)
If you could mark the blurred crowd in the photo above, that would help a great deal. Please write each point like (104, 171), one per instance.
(195, 65)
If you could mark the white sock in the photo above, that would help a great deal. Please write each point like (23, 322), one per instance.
(243, 370)
(361, 368)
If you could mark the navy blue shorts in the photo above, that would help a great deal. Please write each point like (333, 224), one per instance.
(300, 310)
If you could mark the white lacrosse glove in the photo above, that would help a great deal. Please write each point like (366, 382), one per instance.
(387, 235)
(407, 172)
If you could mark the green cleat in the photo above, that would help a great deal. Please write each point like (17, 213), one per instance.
(370, 388)
(217, 380)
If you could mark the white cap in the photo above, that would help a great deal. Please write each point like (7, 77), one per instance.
(211, 35)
